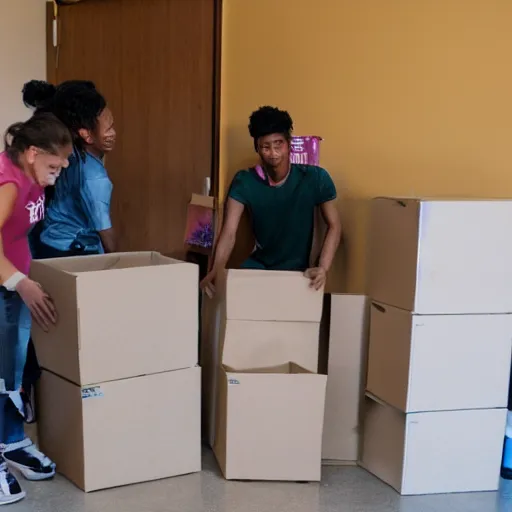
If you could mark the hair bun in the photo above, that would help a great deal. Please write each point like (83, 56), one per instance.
(38, 94)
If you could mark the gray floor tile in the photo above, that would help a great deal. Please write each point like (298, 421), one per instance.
(343, 489)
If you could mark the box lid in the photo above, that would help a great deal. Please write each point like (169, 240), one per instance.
(272, 296)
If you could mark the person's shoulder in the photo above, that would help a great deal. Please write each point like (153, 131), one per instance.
(93, 167)
(9, 172)
(240, 188)
(244, 175)
(312, 171)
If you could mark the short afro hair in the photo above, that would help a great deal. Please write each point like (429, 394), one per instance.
(268, 120)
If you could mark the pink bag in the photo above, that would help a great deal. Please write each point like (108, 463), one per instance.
(305, 150)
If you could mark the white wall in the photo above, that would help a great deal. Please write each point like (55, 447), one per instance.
(22, 54)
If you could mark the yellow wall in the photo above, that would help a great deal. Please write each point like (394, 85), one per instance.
(412, 97)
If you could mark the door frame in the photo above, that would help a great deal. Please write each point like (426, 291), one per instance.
(51, 76)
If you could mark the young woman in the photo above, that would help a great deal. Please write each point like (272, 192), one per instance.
(35, 152)
(77, 220)
(78, 213)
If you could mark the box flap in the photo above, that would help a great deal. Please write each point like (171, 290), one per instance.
(113, 261)
(201, 200)
(389, 355)
(251, 344)
(289, 368)
(393, 252)
(348, 353)
(271, 296)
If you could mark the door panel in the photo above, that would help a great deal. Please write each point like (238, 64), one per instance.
(154, 62)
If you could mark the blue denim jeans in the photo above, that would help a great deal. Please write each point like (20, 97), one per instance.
(15, 323)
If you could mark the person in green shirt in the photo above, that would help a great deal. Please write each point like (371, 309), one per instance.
(281, 199)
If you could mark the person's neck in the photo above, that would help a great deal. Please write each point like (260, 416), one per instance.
(95, 152)
(279, 173)
(22, 164)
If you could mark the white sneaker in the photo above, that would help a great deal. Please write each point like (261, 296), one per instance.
(10, 490)
(29, 461)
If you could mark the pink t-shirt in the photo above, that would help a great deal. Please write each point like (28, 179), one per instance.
(28, 210)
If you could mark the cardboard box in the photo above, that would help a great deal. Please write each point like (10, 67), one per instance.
(439, 362)
(265, 295)
(263, 316)
(441, 256)
(433, 452)
(141, 306)
(269, 423)
(348, 344)
(122, 432)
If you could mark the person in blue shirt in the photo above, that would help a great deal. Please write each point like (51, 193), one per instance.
(77, 217)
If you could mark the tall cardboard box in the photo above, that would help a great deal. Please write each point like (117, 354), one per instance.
(347, 354)
(423, 363)
(441, 256)
(269, 423)
(141, 306)
(433, 452)
(263, 318)
(122, 432)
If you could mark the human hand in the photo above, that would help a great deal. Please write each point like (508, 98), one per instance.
(39, 302)
(208, 283)
(317, 277)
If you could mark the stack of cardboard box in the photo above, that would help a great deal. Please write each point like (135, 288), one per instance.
(264, 398)
(119, 398)
(440, 343)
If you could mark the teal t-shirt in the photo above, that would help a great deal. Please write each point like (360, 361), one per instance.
(283, 216)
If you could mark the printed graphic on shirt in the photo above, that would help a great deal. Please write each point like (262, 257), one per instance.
(36, 210)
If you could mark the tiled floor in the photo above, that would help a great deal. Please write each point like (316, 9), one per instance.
(343, 489)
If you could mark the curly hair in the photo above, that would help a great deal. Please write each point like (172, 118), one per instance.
(77, 103)
(268, 120)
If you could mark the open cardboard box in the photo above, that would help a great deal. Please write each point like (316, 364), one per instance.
(269, 423)
(257, 319)
(141, 306)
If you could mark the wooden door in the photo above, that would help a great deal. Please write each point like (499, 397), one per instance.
(154, 62)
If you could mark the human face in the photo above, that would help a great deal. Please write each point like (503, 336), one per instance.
(43, 167)
(102, 139)
(274, 150)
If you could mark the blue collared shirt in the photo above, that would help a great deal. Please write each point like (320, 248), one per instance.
(80, 207)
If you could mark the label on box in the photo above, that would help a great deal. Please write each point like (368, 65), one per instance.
(233, 382)
(94, 392)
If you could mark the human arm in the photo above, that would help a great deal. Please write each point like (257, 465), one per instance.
(39, 303)
(325, 199)
(227, 238)
(96, 195)
(8, 195)
(108, 240)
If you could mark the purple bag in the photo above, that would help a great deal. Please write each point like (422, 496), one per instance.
(305, 150)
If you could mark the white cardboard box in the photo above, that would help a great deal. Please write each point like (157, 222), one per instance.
(269, 423)
(421, 363)
(120, 315)
(441, 256)
(348, 345)
(122, 432)
(433, 452)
